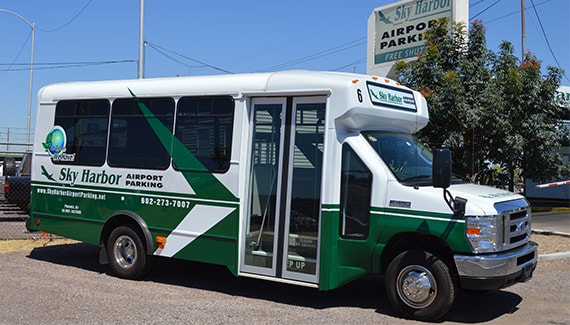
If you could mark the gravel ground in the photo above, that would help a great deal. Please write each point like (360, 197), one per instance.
(64, 284)
(548, 244)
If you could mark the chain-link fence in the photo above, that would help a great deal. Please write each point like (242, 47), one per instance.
(15, 197)
(13, 221)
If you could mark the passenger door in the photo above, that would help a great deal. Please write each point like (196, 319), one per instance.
(281, 230)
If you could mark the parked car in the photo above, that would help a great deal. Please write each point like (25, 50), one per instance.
(17, 186)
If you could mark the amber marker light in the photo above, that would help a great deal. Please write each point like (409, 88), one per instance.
(355, 81)
(473, 231)
(161, 241)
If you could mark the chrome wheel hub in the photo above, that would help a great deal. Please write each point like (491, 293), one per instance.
(416, 286)
(125, 252)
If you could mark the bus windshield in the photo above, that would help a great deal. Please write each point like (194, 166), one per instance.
(408, 159)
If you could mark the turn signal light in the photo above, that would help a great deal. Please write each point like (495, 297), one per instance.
(473, 231)
(161, 241)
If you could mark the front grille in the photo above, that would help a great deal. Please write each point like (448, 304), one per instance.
(516, 223)
(519, 226)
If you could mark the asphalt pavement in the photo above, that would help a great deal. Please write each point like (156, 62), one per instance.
(555, 221)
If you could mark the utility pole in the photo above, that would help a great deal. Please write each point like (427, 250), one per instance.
(523, 33)
(141, 42)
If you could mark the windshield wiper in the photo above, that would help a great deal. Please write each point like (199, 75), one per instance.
(416, 178)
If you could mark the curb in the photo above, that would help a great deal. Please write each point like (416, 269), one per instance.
(546, 209)
(550, 232)
(553, 256)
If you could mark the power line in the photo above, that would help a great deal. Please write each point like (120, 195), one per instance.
(43, 30)
(539, 22)
(10, 65)
(546, 38)
(512, 13)
(158, 48)
(474, 4)
(69, 63)
(361, 60)
(482, 11)
(61, 65)
(171, 57)
(69, 22)
(336, 49)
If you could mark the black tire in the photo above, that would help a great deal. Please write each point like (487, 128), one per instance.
(9, 167)
(419, 285)
(28, 225)
(126, 254)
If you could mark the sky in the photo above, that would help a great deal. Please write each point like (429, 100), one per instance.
(83, 40)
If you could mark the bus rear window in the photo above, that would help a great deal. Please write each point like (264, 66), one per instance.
(85, 124)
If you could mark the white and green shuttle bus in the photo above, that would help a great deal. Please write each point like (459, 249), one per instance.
(308, 178)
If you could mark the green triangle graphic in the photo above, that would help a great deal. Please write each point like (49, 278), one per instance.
(199, 178)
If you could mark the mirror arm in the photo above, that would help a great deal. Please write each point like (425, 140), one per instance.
(457, 204)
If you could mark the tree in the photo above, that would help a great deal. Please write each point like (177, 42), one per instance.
(528, 132)
(489, 109)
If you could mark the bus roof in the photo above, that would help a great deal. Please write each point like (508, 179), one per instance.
(343, 86)
(269, 82)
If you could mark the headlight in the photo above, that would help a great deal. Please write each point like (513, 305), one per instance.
(484, 233)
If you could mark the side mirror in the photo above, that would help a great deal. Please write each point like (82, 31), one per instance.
(441, 170)
(441, 174)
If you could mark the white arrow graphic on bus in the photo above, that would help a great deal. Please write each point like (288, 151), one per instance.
(199, 220)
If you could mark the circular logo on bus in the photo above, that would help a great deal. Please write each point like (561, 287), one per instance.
(55, 141)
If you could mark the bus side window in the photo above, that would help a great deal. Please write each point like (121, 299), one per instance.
(85, 123)
(204, 125)
(134, 142)
(355, 195)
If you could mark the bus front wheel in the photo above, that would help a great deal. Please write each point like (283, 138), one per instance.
(126, 253)
(419, 285)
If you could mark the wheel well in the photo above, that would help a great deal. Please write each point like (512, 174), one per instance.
(125, 218)
(407, 241)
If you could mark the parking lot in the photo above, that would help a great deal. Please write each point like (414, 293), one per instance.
(65, 284)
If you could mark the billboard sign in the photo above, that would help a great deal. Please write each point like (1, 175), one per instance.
(396, 31)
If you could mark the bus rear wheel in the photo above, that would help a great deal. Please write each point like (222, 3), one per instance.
(126, 253)
(419, 285)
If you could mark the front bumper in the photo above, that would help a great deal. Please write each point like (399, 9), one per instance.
(495, 271)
